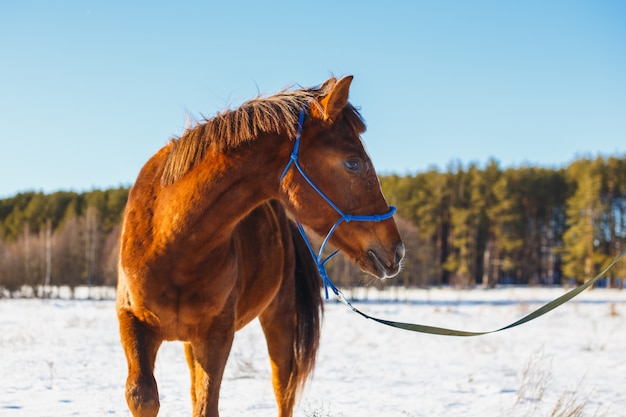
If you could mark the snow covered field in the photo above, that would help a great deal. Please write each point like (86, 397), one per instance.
(63, 358)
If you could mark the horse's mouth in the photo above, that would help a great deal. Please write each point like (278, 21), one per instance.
(385, 269)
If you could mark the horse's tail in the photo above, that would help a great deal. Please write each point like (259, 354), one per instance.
(308, 310)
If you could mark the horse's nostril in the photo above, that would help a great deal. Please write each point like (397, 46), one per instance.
(400, 251)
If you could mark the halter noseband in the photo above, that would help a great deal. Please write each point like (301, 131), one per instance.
(319, 260)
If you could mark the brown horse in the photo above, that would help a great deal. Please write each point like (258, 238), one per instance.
(207, 245)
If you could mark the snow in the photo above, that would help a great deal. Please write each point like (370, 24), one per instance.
(63, 358)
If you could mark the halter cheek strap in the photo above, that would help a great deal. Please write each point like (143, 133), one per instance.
(318, 257)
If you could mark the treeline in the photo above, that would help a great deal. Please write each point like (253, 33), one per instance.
(465, 226)
(63, 238)
(527, 225)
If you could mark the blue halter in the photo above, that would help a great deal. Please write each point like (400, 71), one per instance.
(318, 257)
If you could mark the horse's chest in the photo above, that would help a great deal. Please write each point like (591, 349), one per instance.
(184, 305)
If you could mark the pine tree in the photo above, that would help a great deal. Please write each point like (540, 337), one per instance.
(581, 257)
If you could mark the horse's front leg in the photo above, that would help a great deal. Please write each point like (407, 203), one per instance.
(207, 356)
(140, 345)
(191, 363)
(279, 333)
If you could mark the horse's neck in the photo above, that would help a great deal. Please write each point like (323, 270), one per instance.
(219, 192)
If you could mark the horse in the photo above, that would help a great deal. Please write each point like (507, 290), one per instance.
(209, 241)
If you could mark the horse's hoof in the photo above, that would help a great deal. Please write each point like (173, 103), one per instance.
(142, 399)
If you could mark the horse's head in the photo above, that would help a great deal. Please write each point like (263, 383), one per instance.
(333, 157)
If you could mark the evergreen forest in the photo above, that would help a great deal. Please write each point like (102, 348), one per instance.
(463, 227)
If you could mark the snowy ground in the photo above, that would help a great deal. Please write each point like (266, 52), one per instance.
(63, 358)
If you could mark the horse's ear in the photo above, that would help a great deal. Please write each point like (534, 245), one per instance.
(336, 99)
(327, 85)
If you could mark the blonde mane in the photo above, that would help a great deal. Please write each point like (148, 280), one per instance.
(230, 128)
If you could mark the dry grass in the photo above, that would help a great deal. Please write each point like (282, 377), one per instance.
(320, 410)
(535, 379)
(531, 401)
(568, 405)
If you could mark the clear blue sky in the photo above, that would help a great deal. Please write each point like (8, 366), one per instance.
(89, 90)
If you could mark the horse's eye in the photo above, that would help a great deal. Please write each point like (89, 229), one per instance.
(353, 165)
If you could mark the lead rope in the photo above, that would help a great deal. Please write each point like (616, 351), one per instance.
(320, 261)
(537, 313)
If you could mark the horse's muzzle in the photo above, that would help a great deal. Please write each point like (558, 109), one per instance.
(386, 264)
